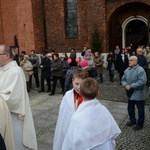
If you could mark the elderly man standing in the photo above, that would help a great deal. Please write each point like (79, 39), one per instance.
(13, 92)
(134, 81)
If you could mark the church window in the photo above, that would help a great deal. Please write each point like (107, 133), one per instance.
(71, 18)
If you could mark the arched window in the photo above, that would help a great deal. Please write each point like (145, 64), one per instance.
(71, 18)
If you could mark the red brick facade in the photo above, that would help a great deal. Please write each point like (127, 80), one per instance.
(25, 19)
(17, 20)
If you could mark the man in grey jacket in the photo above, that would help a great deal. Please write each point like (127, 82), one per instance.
(134, 81)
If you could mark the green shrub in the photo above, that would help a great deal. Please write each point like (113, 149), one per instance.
(96, 41)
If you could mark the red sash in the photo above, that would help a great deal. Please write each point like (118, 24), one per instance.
(77, 99)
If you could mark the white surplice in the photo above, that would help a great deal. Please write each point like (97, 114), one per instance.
(66, 110)
(92, 127)
(6, 125)
(13, 91)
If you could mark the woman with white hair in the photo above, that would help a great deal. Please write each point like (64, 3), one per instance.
(27, 69)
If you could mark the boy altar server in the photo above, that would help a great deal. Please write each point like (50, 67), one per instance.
(70, 102)
(92, 127)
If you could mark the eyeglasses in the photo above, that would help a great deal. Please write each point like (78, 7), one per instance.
(3, 53)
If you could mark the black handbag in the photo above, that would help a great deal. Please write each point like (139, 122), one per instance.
(93, 72)
(129, 93)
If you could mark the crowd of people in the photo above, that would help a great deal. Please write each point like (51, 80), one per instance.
(133, 67)
(60, 67)
(83, 122)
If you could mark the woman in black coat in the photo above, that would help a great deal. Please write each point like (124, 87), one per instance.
(111, 65)
(122, 63)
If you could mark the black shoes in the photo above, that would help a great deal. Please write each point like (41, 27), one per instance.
(130, 123)
(43, 91)
(40, 91)
(48, 91)
(137, 127)
(111, 80)
(50, 94)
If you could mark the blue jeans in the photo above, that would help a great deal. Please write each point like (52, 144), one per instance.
(141, 111)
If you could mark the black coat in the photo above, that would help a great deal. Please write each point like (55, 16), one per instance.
(111, 62)
(122, 66)
(46, 69)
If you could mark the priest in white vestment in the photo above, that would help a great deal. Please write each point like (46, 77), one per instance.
(13, 91)
(92, 127)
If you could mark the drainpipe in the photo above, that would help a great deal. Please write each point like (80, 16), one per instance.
(148, 30)
(44, 24)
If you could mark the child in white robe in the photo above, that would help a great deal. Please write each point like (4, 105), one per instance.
(70, 102)
(92, 127)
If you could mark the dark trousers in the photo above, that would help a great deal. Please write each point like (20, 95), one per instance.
(36, 80)
(101, 77)
(111, 75)
(48, 84)
(61, 80)
(141, 111)
(2, 143)
(120, 76)
(28, 86)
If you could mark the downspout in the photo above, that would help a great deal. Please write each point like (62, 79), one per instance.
(1, 17)
(148, 30)
(44, 24)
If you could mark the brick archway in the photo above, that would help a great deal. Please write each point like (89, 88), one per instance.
(121, 18)
(126, 22)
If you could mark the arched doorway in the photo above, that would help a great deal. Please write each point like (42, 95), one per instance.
(134, 30)
(136, 33)
(127, 25)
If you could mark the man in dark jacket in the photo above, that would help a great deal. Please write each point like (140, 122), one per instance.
(34, 59)
(57, 73)
(141, 59)
(45, 72)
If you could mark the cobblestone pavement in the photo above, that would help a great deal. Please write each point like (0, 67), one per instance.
(112, 95)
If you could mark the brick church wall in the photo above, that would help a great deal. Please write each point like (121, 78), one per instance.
(113, 5)
(96, 16)
(24, 18)
(89, 13)
(1, 26)
(9, 21)
(26, 37)
(38, 26)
